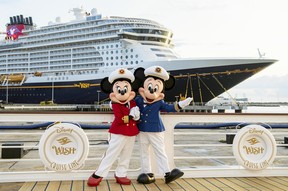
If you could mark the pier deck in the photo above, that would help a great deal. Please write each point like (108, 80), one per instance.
(189, 184)
(206, 160)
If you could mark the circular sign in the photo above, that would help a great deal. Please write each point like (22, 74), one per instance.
(63, 147)
(254, 147)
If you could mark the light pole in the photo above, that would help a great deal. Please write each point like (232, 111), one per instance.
(7, 95)
(52, 90)
(98, 92)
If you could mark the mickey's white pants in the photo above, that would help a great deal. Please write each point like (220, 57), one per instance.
(154, 140)
(120, 147)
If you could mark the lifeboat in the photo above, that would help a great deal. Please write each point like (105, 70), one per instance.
(13, 78)
(2, 78)
(37, 73)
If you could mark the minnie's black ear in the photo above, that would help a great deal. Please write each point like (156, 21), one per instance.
(105, 85)
(169, 84)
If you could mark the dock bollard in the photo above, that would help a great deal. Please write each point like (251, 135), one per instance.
(230, 138)
(12, 153)
(286, 141)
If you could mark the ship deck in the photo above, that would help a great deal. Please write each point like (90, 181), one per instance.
(251, 183)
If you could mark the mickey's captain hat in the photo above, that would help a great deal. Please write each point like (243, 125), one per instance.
(121, 73)
(157, 71)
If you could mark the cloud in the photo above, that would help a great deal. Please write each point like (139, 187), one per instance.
(264, 88)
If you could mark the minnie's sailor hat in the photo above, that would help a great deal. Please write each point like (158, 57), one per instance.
(157, 71)
(121, 73)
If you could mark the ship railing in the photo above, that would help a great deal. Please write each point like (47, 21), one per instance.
(198, 152)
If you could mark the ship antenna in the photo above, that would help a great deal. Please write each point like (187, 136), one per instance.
(261, 55)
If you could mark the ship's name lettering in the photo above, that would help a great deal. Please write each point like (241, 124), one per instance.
(82, 85)
(64, 150)
(253, 150)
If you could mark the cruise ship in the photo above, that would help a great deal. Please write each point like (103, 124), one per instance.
(65, 62)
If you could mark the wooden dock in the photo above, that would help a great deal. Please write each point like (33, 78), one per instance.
(208, 165)
(185, 184)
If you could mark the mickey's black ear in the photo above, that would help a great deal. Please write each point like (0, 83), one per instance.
(105, 85)
(169, 84)
(136, 85)
(139, 79)
(139, 74)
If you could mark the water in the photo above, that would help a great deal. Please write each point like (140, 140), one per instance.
(274, 109)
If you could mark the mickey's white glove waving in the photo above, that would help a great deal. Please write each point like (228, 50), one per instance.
(185, 102)
(135, 113)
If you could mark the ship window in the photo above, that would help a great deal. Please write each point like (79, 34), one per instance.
(116, 45)
(116, 57)
(107, 46)
(131, 50)
(131, 62)
(111, 52)
(102, 47)
(126, 63)
(136, 55)
(111, 46)
(136, 62)
(126, 50)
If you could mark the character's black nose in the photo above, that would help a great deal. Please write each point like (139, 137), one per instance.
(122, 92)
(151, 91)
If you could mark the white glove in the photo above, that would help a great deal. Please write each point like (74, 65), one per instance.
(135, 113)
(110, 105)
(185, 102)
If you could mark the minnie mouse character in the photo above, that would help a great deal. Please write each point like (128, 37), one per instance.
(123, 129)
(154, 80)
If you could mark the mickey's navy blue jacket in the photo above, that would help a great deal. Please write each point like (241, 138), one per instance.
(150, 120)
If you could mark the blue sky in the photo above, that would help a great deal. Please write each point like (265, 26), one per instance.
(202, 28)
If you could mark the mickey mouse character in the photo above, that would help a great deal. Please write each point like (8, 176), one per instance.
(123, 129)
(154, 80)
